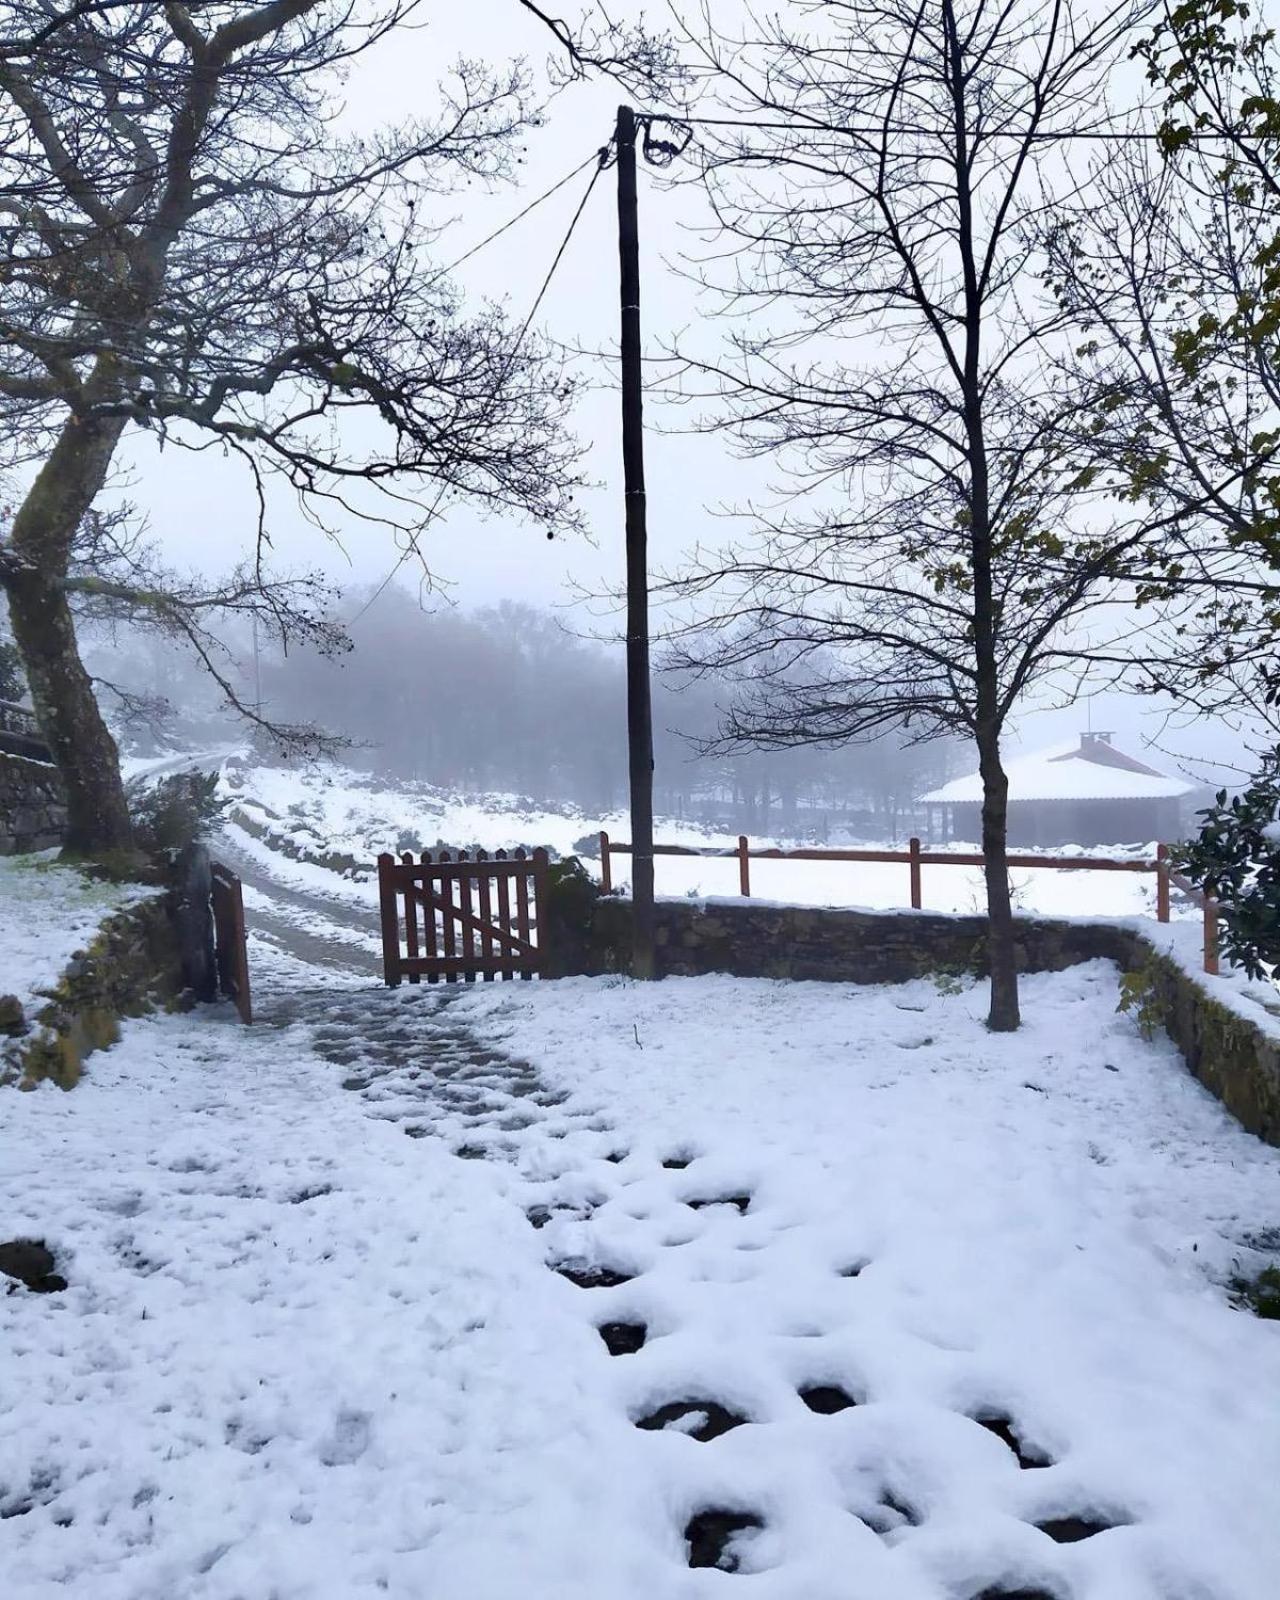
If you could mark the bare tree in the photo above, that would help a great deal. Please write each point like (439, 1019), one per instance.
(192, 244)
(881, 205)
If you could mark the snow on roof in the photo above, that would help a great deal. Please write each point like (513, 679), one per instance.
(1092, 769)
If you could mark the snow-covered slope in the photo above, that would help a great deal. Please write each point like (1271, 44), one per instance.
(329, 810)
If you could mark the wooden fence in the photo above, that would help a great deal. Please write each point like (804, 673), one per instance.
(462, 918)
(915, 859)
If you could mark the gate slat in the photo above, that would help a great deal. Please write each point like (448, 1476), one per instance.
(410, 916)
(488, 944)
(466, 902)
(437, 930)
(448, 928)
(390, 914)
(504, 915)
(430, 937)
(522, 911)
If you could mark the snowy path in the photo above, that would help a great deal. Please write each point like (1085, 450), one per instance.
(545, 1291)
(328, 931)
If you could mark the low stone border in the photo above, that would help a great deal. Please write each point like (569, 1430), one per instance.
(1235, 1058)
(131, 967)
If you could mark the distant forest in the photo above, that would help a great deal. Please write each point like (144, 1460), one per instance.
(509, 699)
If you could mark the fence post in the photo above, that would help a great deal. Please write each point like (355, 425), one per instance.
(1162, 882)
(606, 866)
(744, 868)
(913, 849)
(390, 922)
(1211, 936)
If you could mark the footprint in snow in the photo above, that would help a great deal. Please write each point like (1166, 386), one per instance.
(349, 1439)
(826, 1399)
(1007, 1431)
(715, 1538)
(703, 1420)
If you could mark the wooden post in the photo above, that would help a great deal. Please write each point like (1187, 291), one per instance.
(744, 868)
(606, 866)
(639, 708)
(1162, 882)
(1211, 936)
(541, 873)
(390, 921)
(917, 899)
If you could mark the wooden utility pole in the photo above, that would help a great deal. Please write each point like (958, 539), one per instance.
(639, 709)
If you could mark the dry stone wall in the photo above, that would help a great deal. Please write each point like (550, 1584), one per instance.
(33, 813)
(130, 967)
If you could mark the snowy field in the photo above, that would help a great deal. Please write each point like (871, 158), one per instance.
(333, 810)
(47, 913)
(306, 1357)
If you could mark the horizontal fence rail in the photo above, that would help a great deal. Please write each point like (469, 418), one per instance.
(914, 858)
(460, 917)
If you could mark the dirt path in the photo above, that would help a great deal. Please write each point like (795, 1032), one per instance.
(323, 931)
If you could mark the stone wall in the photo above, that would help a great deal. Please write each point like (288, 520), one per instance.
(1237, 1060)
(132, 966)
(753, 940)
(33, 813)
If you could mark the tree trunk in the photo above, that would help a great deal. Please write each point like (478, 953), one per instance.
(1003, 1016)
(988, 716)
(44, 629)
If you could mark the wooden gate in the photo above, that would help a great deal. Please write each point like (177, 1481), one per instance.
(462, 918)
(230, 940)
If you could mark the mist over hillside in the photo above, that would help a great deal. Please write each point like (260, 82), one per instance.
(508, 698)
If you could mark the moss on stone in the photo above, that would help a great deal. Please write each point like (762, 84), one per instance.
(129, 967)
(1261, 1294)
(52, 1058)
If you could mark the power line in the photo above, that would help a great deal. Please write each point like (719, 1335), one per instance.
(519, 216)
(880, 129)
(600, 158)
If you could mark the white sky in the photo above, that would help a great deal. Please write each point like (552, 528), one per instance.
(201, 509)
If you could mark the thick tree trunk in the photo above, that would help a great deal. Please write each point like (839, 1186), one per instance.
(44, 629)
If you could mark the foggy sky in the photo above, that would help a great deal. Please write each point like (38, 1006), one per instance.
(201, 509)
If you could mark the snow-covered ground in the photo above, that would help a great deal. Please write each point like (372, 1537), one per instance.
(332, 810)
(305, 1356)
(959, 1301)
(47, 913)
